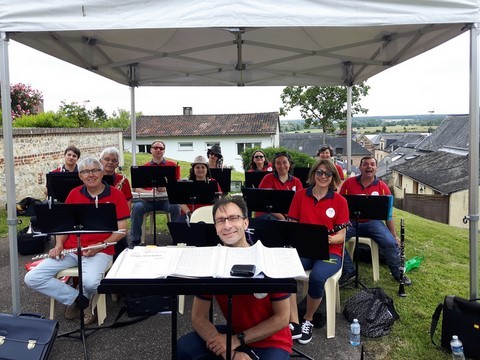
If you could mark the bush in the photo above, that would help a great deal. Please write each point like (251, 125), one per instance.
(24, 100)
(299, 159)
(45, 120)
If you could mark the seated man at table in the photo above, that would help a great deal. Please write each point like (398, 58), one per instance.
(94, 261)
(141, 207)
(259, 321)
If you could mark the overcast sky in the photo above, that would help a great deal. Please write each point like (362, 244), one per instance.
(434, 81)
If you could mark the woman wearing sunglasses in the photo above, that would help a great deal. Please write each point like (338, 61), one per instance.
(318, 204)
(259, 162)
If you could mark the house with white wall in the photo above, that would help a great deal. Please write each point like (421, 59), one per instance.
(187, 136)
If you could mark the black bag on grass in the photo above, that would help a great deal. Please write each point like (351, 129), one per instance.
(28, 244)
(374, 310)
(461, 317)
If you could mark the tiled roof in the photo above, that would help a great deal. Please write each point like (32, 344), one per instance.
(452, 132)
(311, 142)
(442, 171)
(206, 125)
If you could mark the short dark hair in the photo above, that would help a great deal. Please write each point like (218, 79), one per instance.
(367, 158)
(160, 141)
(224, 201)
(326, 147)
(73, 149)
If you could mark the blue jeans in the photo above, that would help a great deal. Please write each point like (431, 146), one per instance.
(142, 207)
(192, 347)
(376, 230)
(42, 277)
(321, 271)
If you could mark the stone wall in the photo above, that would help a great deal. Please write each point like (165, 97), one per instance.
(37, 151)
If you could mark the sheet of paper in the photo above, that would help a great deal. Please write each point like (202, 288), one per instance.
(144, 262)
(197, 262)
(282, 263)
(237, 256)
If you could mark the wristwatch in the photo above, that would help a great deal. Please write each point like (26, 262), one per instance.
(241, 338)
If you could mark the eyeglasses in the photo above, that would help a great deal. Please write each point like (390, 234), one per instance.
(259, 156)
(110, 160)
(91, 171)
(158, 148)
(319, 173)
(231, 219)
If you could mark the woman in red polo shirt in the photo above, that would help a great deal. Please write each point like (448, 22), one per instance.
(259, 162)
(319, 204)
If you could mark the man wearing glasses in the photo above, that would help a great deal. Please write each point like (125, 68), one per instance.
(260, 321)
(94, 261)
(143, 206)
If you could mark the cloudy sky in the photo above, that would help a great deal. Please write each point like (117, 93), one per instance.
(434, 81)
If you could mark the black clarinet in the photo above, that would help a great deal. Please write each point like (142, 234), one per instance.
(401, 287)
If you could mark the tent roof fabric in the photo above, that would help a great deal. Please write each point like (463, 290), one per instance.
(241, 43)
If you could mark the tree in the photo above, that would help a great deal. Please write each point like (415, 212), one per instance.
(321, 106)
(78, 113)
(24, 100)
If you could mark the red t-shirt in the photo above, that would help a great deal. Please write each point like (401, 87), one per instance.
(330, 211)
(126, 188)
(353, 186)
(340, 171)
(79, 195)
(248, 311)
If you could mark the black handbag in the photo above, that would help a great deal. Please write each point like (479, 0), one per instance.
(26, 336)
(461, 317)
(374, 310)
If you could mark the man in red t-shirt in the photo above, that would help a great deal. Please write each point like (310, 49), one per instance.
(141, 207)
(94, 261)
(386, 237)
(259, 321)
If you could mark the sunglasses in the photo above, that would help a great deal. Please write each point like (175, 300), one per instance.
(319, 173)
(259, 156)
(158, 148)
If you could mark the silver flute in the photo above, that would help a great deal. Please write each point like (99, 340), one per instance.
(74, 250)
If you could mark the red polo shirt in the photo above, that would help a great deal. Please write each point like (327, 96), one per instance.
(330, 211)
(80, 195)
(353, 186)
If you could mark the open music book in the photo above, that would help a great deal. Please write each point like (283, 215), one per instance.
(147, 262)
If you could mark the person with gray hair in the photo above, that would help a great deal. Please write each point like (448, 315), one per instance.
(95, 260)
(110, 160)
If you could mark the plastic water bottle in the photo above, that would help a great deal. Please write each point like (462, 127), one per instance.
(355, 333)
(457, 348)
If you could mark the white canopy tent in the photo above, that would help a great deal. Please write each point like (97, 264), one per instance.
(237, 43)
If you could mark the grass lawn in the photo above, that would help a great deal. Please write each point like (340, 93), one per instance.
(444, 271)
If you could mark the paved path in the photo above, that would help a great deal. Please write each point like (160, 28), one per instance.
(149, 339)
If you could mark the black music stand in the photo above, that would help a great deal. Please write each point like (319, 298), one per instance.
(194, 234)
(367, 207)
(268, 200)
(302, 174)
(78, 219)
(254, 178)
(224, 178)
(59, 184)
(153, 177)
(108, 179)
(192, 192)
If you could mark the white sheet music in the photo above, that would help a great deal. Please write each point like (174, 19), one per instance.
(211, 261)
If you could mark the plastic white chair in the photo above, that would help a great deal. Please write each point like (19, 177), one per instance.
(150, 215)
(373, 250)
(332, 298)
(204, 214)
(98, 301)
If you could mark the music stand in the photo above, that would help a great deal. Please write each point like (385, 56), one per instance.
(367, 207)
(78, 219)
(108, 179)
(302, 174)
(59, 184)
(192, 192)
(224, 178)
(194, 234)
(268, 200)
(254, 178)
(153, 177)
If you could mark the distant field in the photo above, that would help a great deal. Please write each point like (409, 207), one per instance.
(375, 129)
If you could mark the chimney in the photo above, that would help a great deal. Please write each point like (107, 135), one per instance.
(187, 110)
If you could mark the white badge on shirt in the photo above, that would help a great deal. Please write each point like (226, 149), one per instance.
(330, 212)
(374, 193)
